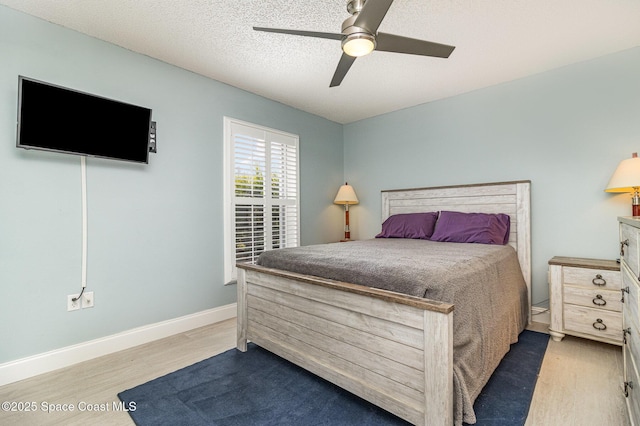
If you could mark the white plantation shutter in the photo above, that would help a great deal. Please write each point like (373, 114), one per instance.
(262, 192)
(284, 194)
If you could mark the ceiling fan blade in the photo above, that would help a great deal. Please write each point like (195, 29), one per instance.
(395, 43)
(343, 67)
(332, 36)
(372, 14)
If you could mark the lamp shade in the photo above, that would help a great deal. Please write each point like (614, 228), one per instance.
(626, 178)
(346, 195)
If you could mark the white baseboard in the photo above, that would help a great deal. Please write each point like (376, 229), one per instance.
(24, 368)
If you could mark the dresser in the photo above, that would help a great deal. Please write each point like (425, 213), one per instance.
(629, 238)
(585, 299)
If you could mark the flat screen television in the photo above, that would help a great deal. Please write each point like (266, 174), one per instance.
(54, 118)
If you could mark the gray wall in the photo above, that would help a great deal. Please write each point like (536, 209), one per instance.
(565, 130)
(155, 231)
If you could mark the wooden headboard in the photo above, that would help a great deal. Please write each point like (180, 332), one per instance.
(512, 198)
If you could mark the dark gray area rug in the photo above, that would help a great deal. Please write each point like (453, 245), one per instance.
(259, 388)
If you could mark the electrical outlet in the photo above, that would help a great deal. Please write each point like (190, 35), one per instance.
(71, 304)
(87, 300)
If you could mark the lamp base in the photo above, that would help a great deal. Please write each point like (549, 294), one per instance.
(635, 210)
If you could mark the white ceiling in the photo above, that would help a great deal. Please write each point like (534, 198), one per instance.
(496, 41)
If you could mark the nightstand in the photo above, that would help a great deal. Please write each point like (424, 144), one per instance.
(585, 299)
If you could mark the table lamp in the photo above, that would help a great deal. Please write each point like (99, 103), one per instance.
(346, 195)
(626, 178)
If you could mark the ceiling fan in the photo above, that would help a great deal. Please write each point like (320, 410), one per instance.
(360, 37)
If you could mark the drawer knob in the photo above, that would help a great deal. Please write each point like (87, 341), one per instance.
(599, 325)
(599, 281)
(622, 244)
(624, 290)
(599, 301)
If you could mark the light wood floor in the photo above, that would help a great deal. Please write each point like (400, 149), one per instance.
(579, 383)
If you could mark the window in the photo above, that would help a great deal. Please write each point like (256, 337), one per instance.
(261, 187)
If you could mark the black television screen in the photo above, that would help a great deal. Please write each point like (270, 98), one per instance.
(54, 118)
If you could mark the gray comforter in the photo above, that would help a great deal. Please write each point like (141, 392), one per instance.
(484, 282)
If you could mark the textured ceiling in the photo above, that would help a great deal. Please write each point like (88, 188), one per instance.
(496, 41)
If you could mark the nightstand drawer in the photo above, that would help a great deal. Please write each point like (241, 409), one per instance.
(595, 322)
(591, 278)
(593, 298)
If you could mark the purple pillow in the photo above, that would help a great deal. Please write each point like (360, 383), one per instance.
(482, 228)
(410, 225)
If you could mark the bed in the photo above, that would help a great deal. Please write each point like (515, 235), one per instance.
(395, 350)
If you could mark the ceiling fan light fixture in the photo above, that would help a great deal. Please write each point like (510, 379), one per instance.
(358, 44)
(359, 37)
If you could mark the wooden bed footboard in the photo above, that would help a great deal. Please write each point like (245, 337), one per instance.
(393, 350)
